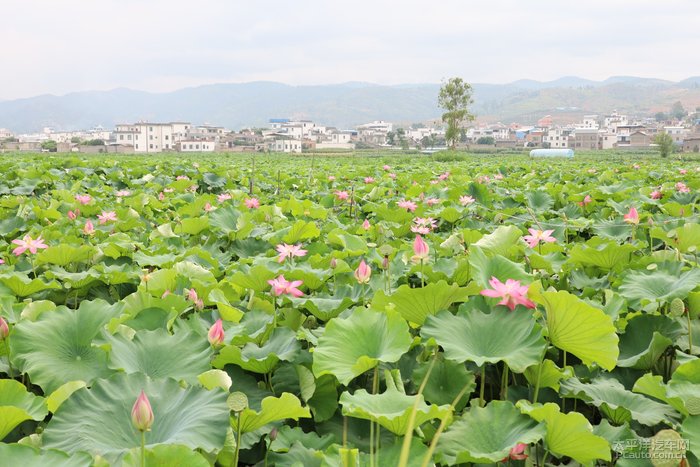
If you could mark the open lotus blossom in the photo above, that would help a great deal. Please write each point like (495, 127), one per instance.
(369, 179)
(83, 199)
(420, 248)
(537, 236)
(223, 197)
(444, 176)
(182, 177)
(216, 334)
(107, 216)
(161, 196)
(72, 215)
(517, 453)
(682, 188)
(386, 168)
(4, 329)
(89, 229)
(512, 293)
(331, 178)
(289, 251)
(635, 166)
(252, 203)
(656, 194)
(28, 243)
(632, 217)
(342, 195)
(466, 200)
(166, 293)
(123, 193)
(363, 273)
(408, 205)
(168, 190)
(2, 261)
(434, 182)
(142, 414)
(423, 225)
(208, 207)
(194, 298)
(682, 171)
(587, 199)
(281, 286)
(392, 175)
(366, 225)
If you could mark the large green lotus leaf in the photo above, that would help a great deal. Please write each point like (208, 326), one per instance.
(501, 336)
(446, 381)
(351, 346)
(691, 431)
(18, 405)
(22, 286)
(607, 256)
(640, 287)
(646, 337)
(619, 404)
(391, 409)
(300, 231)
(282, 345)
(225, 219)
(349, 244)
(487, 434)
(254, 278)
(685, 385)
(415, 304)
(580, 329)
(272, 409)
(58, 347)
(170, 455)
(60, 395)
(549, 374)
(64, 254)
(687, 237)
(158, 354)
(654, 386)
(324, 308)
(568, 434)
(98, 420)
(500, 241)
(539, 201)
(485, 267)
(27, 456)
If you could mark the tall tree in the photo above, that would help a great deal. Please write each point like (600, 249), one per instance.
(664, 143)
(677, 110)
(455, 98)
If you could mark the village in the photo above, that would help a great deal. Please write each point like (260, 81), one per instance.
(592, 132)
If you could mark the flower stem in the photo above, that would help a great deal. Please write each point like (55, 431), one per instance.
(9, 362)
(143, 449)
(422, 277)
(483, 385)
(504, 384)
(539, 375)
(234, 463)
(441, 428)
(690, 337)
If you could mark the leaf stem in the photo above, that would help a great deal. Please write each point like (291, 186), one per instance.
(504, 383)
(690, 336)
(483, 385)
(9, 362)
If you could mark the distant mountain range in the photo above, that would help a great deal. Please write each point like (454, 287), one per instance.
(346, 105)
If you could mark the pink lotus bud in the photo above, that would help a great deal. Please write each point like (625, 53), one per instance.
(72, 215)
(216, 334)
(632, 217)
(385, 262)
(363, 273)
(420, 248)
(4, 329)
(334, 263)
(366, 225)
(89, 228)
(166, 293)
(142, 414)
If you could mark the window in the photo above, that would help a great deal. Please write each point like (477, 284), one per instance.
(167, 137)
(151, 146)
(128, 137)
(137, 146)
(150, 128)
(150, 137)
(121, 137)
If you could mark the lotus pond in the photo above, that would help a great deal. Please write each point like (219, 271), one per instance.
(374, 311)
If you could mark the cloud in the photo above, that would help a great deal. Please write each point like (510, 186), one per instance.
(159, 45)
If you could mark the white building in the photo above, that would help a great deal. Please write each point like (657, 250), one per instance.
(678, 133)
(284, 144)
(148, 137)
(556, 137)
(5, 133)
(196, 145)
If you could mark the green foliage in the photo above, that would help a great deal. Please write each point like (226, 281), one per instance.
(455, 98)
(664, 143)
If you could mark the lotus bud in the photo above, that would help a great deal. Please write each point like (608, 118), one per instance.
(366, 225)
(385, 262)
(420, 248)
(273, 434)
(4, 329)
(334, 263)
(363, 273)
(142, 414)
(216, 334)
(677, 307)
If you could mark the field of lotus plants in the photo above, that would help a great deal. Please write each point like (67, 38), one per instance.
(357, 311)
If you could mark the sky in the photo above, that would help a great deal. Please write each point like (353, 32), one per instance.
(63, 46)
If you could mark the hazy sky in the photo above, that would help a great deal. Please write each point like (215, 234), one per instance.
(60, 46)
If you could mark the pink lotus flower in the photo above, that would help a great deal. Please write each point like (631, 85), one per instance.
(498, 176)
(432, 201)
(252, 203)
(342, 195)
(363, 273)
(142, 414)
(420, 248)
(537, 236)
(169, 190)
(366, 225)
(419, 229)
(635, 166)
(161, 196)
(517, 453)
(223, 197)
(83, 199)
(444, 176)
(369, 180)
(4, 329)
(511, 292)
(194, 298)
(27, 243)
(427, 223)
(392, 176)
(289, 251)
(107, 216)
(123, 193)
(466, 200)
(682, 188)
(281, 286)
(182, 177)
(386, 168)
(408, 205)
(2, 261)
(434, 182)
(632, 217)
(585, 201)
(208, 207)
(592, 171)
(89, 229)
(331, 178)
(682, 171)
(656, 194)
(166, 293)
(216, 334)
(72, 215)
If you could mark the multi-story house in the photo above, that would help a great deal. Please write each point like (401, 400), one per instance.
(148, 137)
